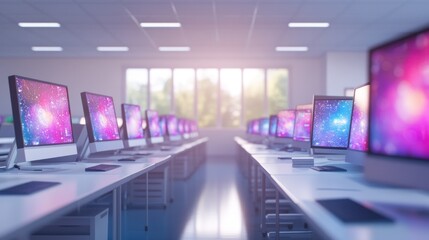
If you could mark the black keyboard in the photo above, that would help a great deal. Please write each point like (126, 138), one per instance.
(350, 211)
(27, 188)
(101, 168)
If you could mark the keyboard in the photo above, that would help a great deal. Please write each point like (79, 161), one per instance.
(28, 188)
(101, 168)
(349, 211)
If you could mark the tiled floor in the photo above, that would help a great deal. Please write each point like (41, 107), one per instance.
(213, 204)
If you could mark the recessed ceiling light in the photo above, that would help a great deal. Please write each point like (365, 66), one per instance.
(112, 49)
(174, 49)
(39, 24)
(46, 49)
(160, 24)
(291, 49)
(308, 25)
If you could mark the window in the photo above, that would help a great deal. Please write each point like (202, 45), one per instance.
(207, 98)
(137, 86)
(184, 92)
(226, 97)
(277, 84)
(253, 93)
(160, 89)
(230, 97)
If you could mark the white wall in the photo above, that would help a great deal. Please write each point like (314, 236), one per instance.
(107, 76)
(345, 70)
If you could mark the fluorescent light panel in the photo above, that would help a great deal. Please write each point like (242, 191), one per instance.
(112, 49)
(46, 49)
(291, 49)
(174, 49)
(308, 24)
(160, 24)
(39, 24)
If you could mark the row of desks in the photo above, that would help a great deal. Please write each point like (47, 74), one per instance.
(20, 215)
(408, 207)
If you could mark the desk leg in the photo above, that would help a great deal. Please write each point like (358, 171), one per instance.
(256, 182)
(277, 215)
(263, 227)
(146, 228)
(117, 212)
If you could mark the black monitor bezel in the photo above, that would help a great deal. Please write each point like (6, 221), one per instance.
(87, 116)
(322, 97)
(125, 125)
(400, 158)
(17, 123)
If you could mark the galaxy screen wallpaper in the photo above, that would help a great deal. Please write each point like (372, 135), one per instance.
(273, 125)
(285, 123)
(264, 125)
(133, 121)
(172, 125)
(163, 125)
(255, 127)
(103, 117)
(44, 113)
(331, 123)
(187, 126)
(399, 103)
(359, 128)
(302, 129)
(153, 124)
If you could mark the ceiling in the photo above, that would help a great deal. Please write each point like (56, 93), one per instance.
(212, 28)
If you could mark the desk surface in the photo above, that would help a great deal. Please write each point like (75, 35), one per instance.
(409, 208)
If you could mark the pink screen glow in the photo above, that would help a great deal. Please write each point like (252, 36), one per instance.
(103, 117)
(44, 113)
(399, 100)
(153, 124)
(359, 128)
(285, 123)
(133, 121)
(302, 131)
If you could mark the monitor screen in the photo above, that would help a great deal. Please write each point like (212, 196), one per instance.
(302, 128)
(187, 126)
(100, 117)
(133, 121)
(264, 126)
(399, 98)
(163, 125)
(180, 126)
(41, 111)
(273, 125)
(359, 127)
(172, 126)
(331, 122)
(152, 119)
(256, 127)
(285, 124)
(194, 126)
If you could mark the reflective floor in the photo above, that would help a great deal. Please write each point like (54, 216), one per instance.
(212, 204)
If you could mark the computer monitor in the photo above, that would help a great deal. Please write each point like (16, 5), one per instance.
(331, 124)
(302, 127)
(358, 143)
(264, 126)
(42, 119)
(132, 126)
(194, 128)
(101, 122)
(163, 125)
(273, 125)
(398, 112)
(172, 128)
(285, 126)
(256, 127)
(186, 129)
(153, 129)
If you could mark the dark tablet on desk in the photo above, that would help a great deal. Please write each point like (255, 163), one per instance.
(101, 168)
(28, 188)
(349, 211)
(328, 169)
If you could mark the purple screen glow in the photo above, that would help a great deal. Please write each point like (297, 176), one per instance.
(399, 100)
(302, 131)
(172, 125)
(44, 113)
(359, 128)
(273, 125)
(256, 127)
(331, 122)
(133, 121)
(103, 117)
(264, 126)
(285, 124)
(163, 125)
(153, 124)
